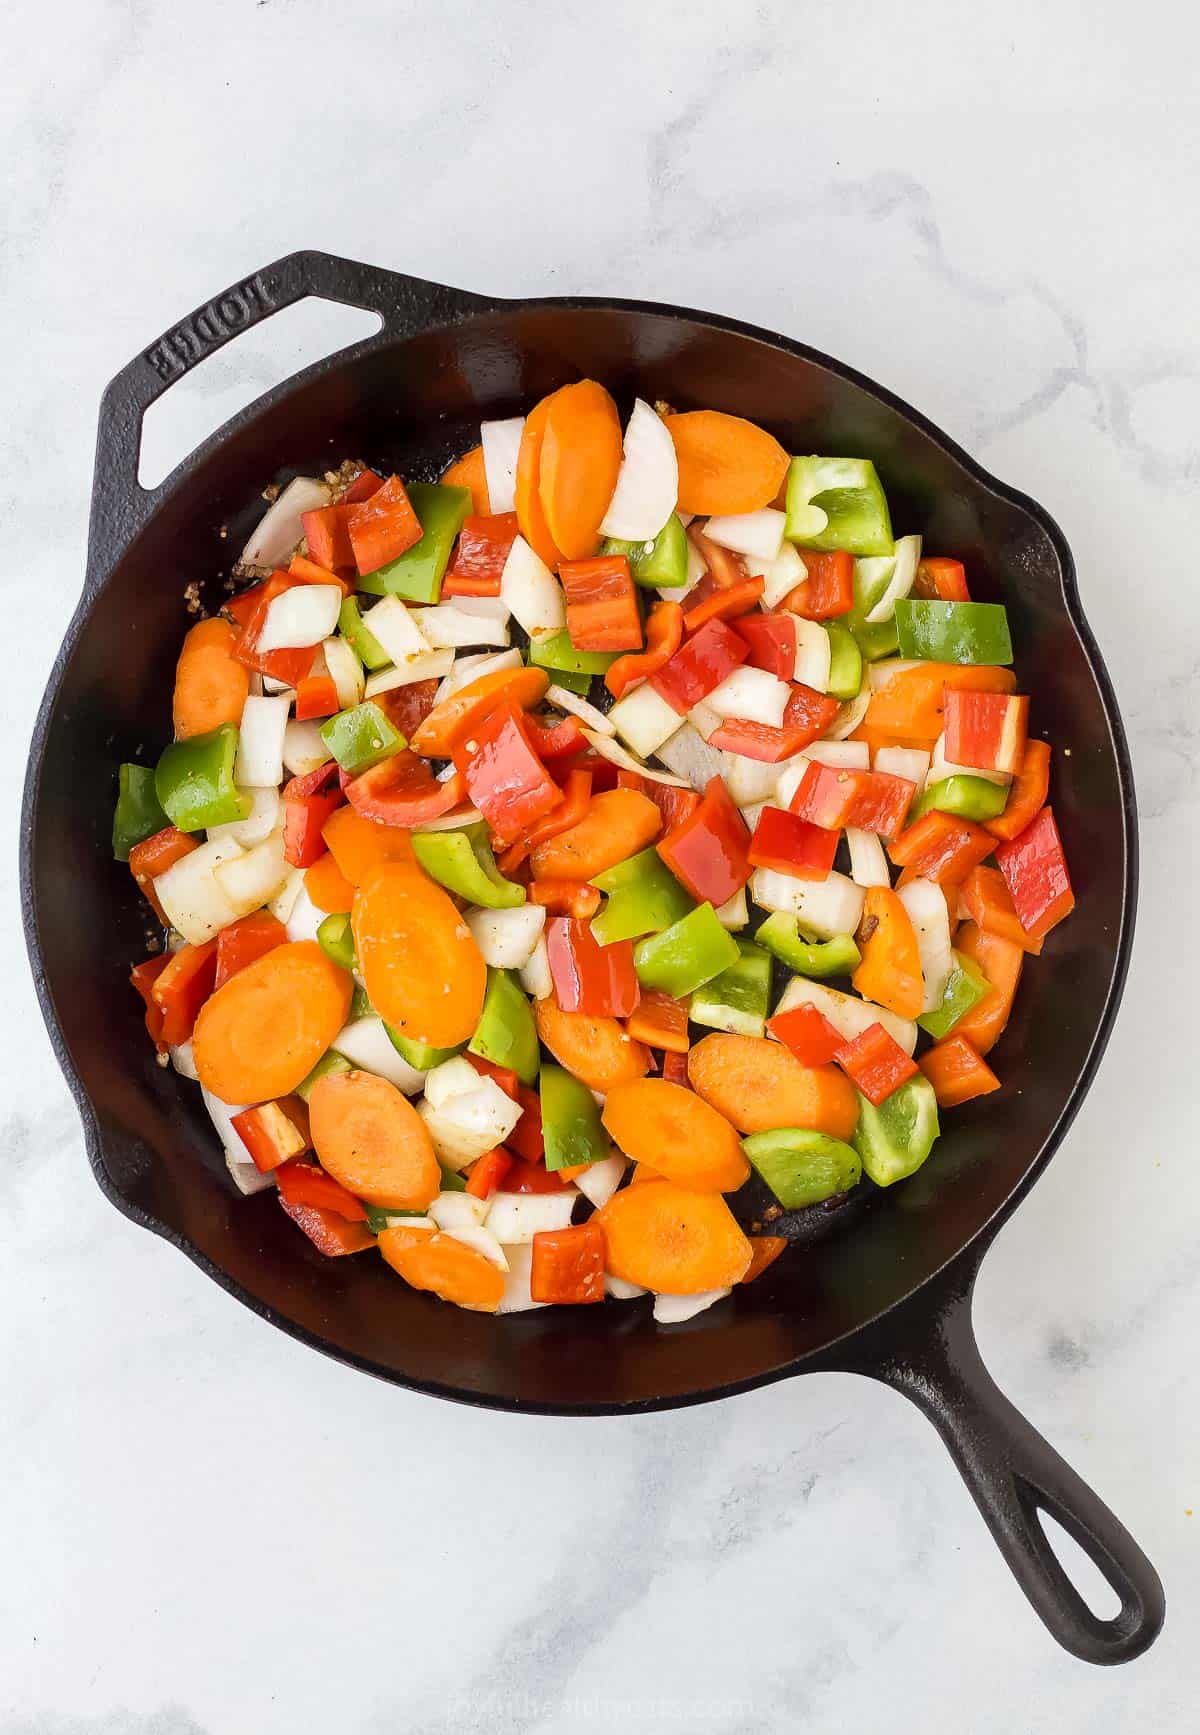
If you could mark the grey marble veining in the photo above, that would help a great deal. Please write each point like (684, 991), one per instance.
(208, 1530)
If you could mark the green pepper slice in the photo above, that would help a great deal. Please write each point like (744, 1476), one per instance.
(571, 1124)
(419, 1054)
(817, 959)
(894, 1139)
(336, 940)
(361, 737)
(359, 637)
(739, 997)
(644, 897)
(330, 1061)
(687, 954)
(138, 813)
(837, 503)
(803, 1167)
(360, 1004)
(463, 862)
(965, 987)
(556, 652)
(953, 632)
(658, 565)
(194, 781)
(506, 1034)
(875, 639)
(976, 798)
(417, 573)
(845, 663)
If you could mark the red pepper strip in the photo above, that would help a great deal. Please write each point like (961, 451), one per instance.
(242, 606)
(526, 1137)
(709, 852)
(875, 1064)
(327, 532)
(1025, 799)
(403, 791)
(770, 641)
(664, 634)
(143, 977)
(758, 740)
(792, 846)
(1035, 871)
(503, 774)
(311, 783)
(986, 730)
(835, 796)
(701, 664)
(983, 898)
(182, 988)
(828, 591)
(941, 580)
(808, 1033)
(290, 666)
(153, 857)
(568, 1264)
(577, 793)
(271, 1135)
(527, 1177)
(303, 821)
(808, 714)
(329, 1233)
(659, 1021)
(735, 599)
(555, 740)
(383, 527)
(602, 604)
(597, 980)
(363, 486)
(312, 572)
(306, 1184)
(724, 566)
(243, 941)
(882, 803)
(407, 707)
(675, 1069)
(504, 1076)
(941, 848)
(488, 1172)
(570, 897)
(316, 696)
(484, 545)
(958, 1072)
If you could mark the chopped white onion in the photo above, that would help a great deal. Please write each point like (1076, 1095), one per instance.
(756, 533)
(258, 824)
(753, 695)
(940, 767)
(481, 1239)
(750, 780)
(613, 751)
(468, 1125)
(691, 758)
(830, 906)
(464, 670)
(911, 763)
(674, 1309)
(780, 576)
(451, 1078)
(535, 975)
(456, 821)
(814, 654)
(926, 906)
(191, 895)
(879, 674)
(455, 1211)
(849, 1015)
(299, 617)
(247, 1177)
(644, 719)
(565, 700)
(446, 624)
(704, 720)
(501, 442)
(345, 671)
(648, 480)
(849, 717)
(279, 529)
(431, 666)
(752, 814)
(304, 748)
(868, 863)
(488, 608)
(274, 689)
(221, 1114)
(507, 938)
(842, 755)
(599, 1181)
(908, 557)
(734, 912)
(531, 592)
(251, 879)
(397, 630)
(286, 898)
(304, 918)
(366, 1044)
(515, 1218)
(620, 1288)
(259, 763)
(183, 1060)
(517, 1297)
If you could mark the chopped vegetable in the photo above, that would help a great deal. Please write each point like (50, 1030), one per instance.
(571, 1126)
(876, 1063)
(463, 863)
(780, 934)
(953, 632)
(677, 1134)
(642, 897)
(803, 1167)
(687, 954)
(194, 781)
(416, 572)
(758, 1085)
(894, 1138)
(738, 998)
(1035, 871)
(709, 851)
(957, 1072)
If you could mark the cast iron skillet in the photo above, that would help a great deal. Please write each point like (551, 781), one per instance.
(889, 1296)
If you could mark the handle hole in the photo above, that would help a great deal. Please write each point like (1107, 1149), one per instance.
(1080, 1568)
(249, 365)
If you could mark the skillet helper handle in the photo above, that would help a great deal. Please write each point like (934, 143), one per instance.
(406, 305)
(1013, 1474)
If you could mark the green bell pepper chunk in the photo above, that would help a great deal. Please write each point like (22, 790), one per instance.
(361, 737)
(644, 897)
(379, 1217)
(780, 934)
(738, 998)
(837, 503)
(573, 682)
(965, 987)
(974, 798)
(336, 940)
(894, 1139)
(845, 663)
(419, 1054)
(660, 564)
(557, 653)
(953, 632)
(802, 1167)
(194, 781)
(463, 862)
(360, 1004)
(330, 1061)
(506, 1034)
(686, 955)
(359, 637)
(571, 1124)
(874, 639)
(138, 813)
(417, 573)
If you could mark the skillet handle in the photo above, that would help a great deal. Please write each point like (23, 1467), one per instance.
(1013, 1474)
(406, 305)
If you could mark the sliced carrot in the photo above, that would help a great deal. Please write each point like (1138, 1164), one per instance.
(452, 721)
(328, 886)
(421, 967)
(528, 499)
(764, 1251)
(727, 604)
(210, 684)
(469, 472)
(581, 456)
(759, 1085)
(676, 1132)
(659, 1021)
(957, 1071)
(449, 1268)
(640, 1173)
(1001, 963)
(617, 824)
(596, 1050)
(726, 465)
(910, 707)
(890, 972)
(984, 898)
(371, 1139)
(664, 633)
(358, 845)
(1028, 794)
(673, 1240)
(577, 793)
(261, 1034)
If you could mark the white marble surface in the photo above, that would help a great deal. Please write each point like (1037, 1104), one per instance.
(993, 212)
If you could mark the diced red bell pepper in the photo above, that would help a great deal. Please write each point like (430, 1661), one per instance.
(568, 1264)
(827, 591)
(725, 568)
(576, 794)
(675, 1069)
(306, 1184)
(484, 545)
(241, 607)
(273, 1134)
(363, 486)
(314, 782)
(709, 851)
(808, 714)
(526, 1140)
(143, 977)
(941, 580)
(1035, 871)
(403, 791)
(488, 1172)
(827, 795)
(588, 977)
(876, 1064)
(182, 988)
(808, 1033)
(290, 666)
(986, 730)
(504, 1076)
(245, 940)
(664, 634)
(698, 666)
(563, 897)
(882, 802)
(724, 604)
(602, 605)
(327, 532)
(304, 817)
(316, 696)
(983, 898)
(957, 1071)
(382, 528)
(554, 740)
(329, 1232)
(791, 845)
(673, 803)
(770, 643)
(503, 775)
(153, 857)
(407, 707)
(941, 848)
(312, 572)
(756, 740)
(527, 1177)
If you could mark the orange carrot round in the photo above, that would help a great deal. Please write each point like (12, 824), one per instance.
(596, 1050)
(581, 456)
(673, 1240)
(468, 472)
(759, 1085)
(358, 845)
(448, 1267)
(674, 1131)
(328, 886)
(371, 1139)
(422, 969)
(616, 825)
(451, 721)
(210, 684)
(890, 972)
(261, 1034)
(725, 464)
(527, 493)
